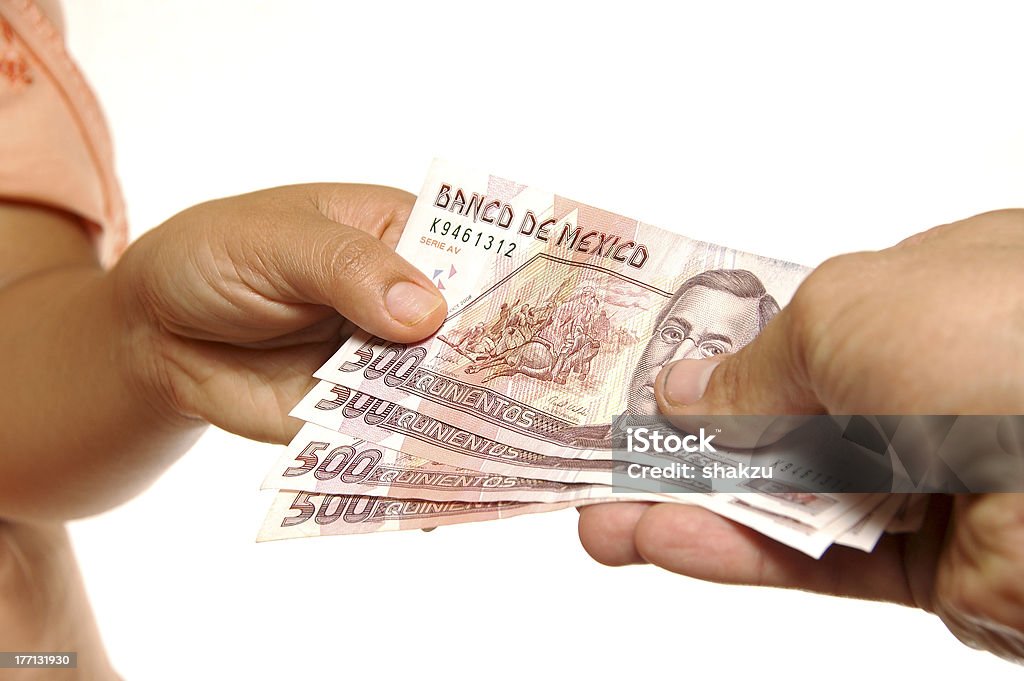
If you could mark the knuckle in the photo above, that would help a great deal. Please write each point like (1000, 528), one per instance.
(810, 295)
(351, 258)
(834, 275)
(958, 599)
(824, 320)
(978, 613)
(979, 588)
(829, 290)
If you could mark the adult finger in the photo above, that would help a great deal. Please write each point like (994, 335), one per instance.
(607, 530)
(756, 395)
(310, 258)
(695, 542)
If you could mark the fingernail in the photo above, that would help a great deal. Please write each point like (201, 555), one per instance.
(410, 303)
(685, 381)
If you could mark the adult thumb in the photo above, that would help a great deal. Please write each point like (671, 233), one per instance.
(764, 385)
(319, 260)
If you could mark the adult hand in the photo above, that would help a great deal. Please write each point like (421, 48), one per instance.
(232, 304)
(933, 325)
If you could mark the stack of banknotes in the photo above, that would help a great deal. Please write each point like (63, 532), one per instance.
(560, 316)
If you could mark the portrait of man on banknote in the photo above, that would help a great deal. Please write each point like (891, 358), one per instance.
(711, 313)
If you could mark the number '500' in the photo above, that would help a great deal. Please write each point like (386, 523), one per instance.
(351, 464)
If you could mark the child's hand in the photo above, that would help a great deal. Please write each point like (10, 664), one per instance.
(234, 303)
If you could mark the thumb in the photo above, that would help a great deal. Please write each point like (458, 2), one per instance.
(324, 262)
(766, 378)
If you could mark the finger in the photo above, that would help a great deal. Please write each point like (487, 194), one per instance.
(978, 589)
(276, 379)
(306, 257)
(766, 377)
(328, 329)
(695, 542)
(606, 532)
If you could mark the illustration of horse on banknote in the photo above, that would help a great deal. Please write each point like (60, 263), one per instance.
(551, 340)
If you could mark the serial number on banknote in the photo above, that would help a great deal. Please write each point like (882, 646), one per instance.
(458, 233)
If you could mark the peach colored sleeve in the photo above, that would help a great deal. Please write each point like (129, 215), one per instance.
(55, 148)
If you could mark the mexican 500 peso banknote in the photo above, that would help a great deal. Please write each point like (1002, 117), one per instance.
(556, 328)
(560, 317)
(296, 514)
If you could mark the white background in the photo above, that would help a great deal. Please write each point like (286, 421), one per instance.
(794, 130)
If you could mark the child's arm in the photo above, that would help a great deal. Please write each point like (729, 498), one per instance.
(220, 315)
